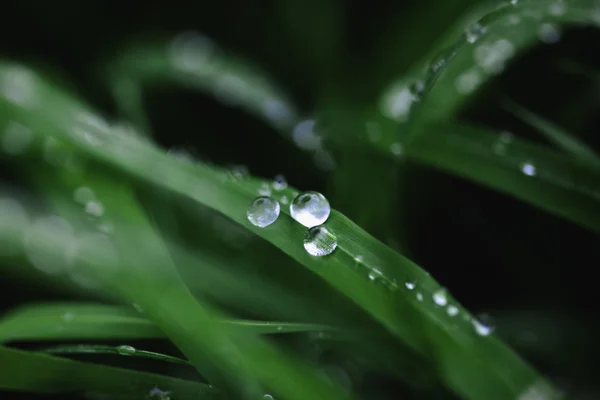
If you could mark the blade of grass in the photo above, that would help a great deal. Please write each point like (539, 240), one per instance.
(41, 373)
(473, 366)
(123, 350)
(106, 322)
(555, 134)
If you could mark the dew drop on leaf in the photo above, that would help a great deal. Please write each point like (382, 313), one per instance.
(319, 241)
(126, 350)
(263, 211)
(310, 209)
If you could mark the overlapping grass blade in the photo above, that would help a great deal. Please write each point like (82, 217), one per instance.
(124, 350)
(556, 135)
(41, 373)
(476, 367)
(107, 322)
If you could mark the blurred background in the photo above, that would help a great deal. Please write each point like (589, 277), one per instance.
(532, 272)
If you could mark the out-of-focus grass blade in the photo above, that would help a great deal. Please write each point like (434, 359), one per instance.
(106, 322)
(556, 135)
(485, 49)
(542, 177)
(193, 60)
(41, 373)
(365, 270)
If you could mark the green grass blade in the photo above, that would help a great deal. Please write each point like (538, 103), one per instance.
(106, 322)
(40, 373)
(474, 366)
(123, 350)
(556, 135)
(539, 176)
(195, 61)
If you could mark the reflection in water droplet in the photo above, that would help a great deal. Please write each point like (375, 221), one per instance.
(528, 169)
(47, 244)
(474, 32)
(279, 183)
(305, 137)
(483, 325)
(125, 350)
(410, 285)
(94, 208)
(16, 138)
(440, 298)
(319, 241)
(549, 33)
(452, 310)
(310, 209)
(14, 220)
(263, 211)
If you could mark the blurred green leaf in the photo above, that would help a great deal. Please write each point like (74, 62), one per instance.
(40, 373)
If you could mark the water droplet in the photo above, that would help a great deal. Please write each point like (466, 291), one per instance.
(264, 190)
(94, 208)
(398, 102)
(397, 149)
(125, 350)
(358, 259)
(47, 244)
(557, 9)
(279, 183)
(13, 223)
(483, 325)
(284, 200)
(310, 209)
(305, 137)
(157, 394)
(549, 33)
(501, 145)
(468, 81)
(417, 88)
(528, 169)
(452, 310)
(263, 211)
(106, 227)
(68, 317)
(267, 397)
(280, 328)
(474, 32)
(419, 296)
(492, 57)
(375, 274)
(440, 298)
(83, 195)
(410, 285)
(513, 2)
(319, 241)
(240, 172)
(16, 138)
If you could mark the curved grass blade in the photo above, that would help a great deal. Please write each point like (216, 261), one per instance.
(473, 366)
(556, 135)
(193, 60)
(486, 47)
(123, 350)
(41, 373)
(542, 177)
(106, 322)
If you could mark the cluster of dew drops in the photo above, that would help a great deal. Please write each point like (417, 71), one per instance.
(310, 209)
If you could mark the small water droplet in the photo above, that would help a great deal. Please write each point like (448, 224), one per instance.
(157, 394)
(528, 169)
(264, 190)
(16, 139)
(375, 274)
(513, 2)
(549, 33)
(468, 81)
(305, 137)
(452, 310)
(557, 9)
(279, 183)
(284, 200)
(319, 241)
(419, 296)
(502, 143)
(263, 211)
(440, 298)
(126, 350)
(267, 397)
(397, 149)
(398, 102)
(83, 195)
(94, 208)
(310, 209)
(410, 285)
(483, 325)
(358, 259)
(474, 32)
(239, 172)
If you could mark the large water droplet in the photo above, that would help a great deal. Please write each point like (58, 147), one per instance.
(16, 138)
(310, 209)
(263, 211)
(279, 183)
(474, 32)
(483, 325)
(440, 298)
(126, 350)
(319, 241)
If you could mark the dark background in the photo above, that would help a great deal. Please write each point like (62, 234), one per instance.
(496, 254)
